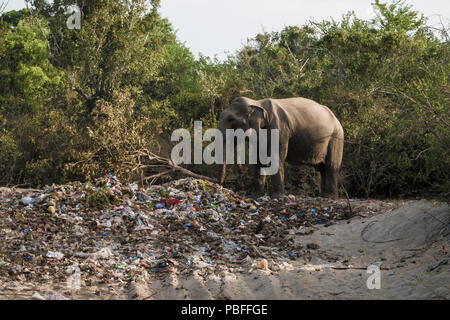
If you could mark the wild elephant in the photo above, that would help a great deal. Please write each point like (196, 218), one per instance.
(309, 134)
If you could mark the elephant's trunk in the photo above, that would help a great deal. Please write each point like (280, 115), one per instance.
(223, 169)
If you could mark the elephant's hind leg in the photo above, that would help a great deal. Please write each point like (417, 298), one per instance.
(329, 182)
(330, 170)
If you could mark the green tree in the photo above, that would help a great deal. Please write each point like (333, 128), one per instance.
(386, 79)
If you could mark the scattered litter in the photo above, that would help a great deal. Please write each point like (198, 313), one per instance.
(437, 265)
(312, 246)
(116, 232)
(56, 296)
(263, 265)
(37, 296)
(55, 255)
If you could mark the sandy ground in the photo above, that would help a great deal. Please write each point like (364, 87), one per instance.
(410, 244)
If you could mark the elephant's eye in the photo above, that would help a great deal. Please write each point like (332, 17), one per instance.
(234, 123)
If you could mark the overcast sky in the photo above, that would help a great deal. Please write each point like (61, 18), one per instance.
(219, 26)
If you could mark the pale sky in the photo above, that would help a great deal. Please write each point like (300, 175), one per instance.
(214, 27)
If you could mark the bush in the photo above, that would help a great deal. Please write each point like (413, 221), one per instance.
(87, 107)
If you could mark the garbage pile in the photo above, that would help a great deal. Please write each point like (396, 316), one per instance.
(114, 232)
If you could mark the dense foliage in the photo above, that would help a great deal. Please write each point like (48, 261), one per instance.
(76, 104)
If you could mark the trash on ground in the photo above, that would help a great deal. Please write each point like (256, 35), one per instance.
(115, 232)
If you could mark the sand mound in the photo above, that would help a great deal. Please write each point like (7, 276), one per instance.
(410, 244)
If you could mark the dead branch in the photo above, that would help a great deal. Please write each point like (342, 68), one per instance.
(157, 162)
(348, 214)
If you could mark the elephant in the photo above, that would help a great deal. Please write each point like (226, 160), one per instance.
(309, 134)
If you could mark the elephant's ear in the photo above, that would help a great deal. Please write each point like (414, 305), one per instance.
(254, 108)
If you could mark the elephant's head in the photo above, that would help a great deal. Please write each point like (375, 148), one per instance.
(243, 113)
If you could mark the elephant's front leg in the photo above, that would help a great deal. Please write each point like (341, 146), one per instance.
(241, 180)
(259, 181)
(278, 182)
(278, 178)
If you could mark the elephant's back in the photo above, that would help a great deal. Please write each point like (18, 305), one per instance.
(305, 112)
(306, 106)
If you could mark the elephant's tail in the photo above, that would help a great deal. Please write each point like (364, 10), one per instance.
(335, 149)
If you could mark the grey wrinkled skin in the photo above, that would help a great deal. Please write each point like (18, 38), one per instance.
(310, 134)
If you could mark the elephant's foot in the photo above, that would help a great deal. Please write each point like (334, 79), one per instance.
(278, 195)
(324, 195)
(328, 195)
(257, 194)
